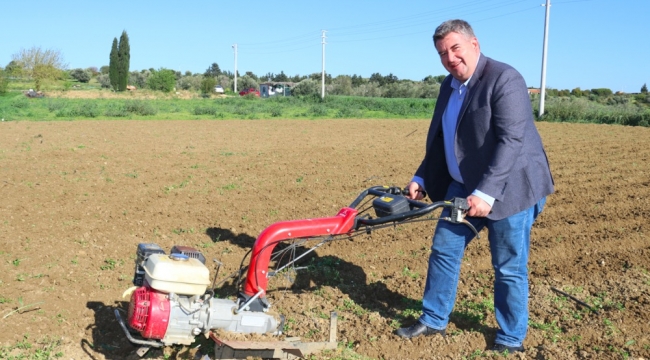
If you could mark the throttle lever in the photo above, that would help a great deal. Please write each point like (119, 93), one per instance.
(459, 208)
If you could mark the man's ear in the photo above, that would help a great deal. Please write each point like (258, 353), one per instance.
(475, 44)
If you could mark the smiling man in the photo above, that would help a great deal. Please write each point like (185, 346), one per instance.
(482, 145)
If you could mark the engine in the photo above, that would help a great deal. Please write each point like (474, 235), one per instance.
(171, 302)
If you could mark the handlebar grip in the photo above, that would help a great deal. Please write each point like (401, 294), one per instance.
(405, 192)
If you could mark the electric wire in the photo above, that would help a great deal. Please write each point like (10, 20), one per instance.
(360, 32)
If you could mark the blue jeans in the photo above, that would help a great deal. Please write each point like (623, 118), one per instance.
(509, 244)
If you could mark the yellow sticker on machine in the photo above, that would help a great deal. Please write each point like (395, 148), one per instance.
(386, 199)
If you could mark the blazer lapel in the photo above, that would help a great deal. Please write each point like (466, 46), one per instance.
(443, 99)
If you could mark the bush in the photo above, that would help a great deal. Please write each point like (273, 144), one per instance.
(88, 109)
(306, 87)
(115, 110)
(207, 85)
(104, 80)
(140, 107)
(189, 82)
(4, 82)
(163, 80)
(85, 109)
(400, 90)
(602, 92)
(55, 104)
(139, 79)
(318, 110)
(246, 82)
(581, 110)
(81, 75)
(20, 102)
(205, 110)
(371, 89)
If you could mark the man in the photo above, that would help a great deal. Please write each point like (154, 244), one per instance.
(482, 145)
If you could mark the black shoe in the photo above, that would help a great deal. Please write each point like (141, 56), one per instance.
(500, 348)
(418, 329)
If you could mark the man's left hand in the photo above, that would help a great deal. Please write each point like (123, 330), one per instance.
(478, 207)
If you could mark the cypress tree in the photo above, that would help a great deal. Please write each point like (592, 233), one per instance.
(112, 65)
(124, 59)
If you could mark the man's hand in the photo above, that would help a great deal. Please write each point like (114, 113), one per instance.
(477, 207)
(416, 192)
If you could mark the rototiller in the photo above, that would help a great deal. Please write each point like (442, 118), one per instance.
(172, 304)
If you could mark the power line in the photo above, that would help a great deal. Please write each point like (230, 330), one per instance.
(429, 31)
(338, 35)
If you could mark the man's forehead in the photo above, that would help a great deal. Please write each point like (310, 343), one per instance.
(458, 39)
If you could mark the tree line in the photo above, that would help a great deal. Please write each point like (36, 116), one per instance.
(41, 66)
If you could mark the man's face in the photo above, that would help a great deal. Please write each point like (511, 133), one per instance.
(458, 55)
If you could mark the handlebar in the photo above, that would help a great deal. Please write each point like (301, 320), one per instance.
(458, 206)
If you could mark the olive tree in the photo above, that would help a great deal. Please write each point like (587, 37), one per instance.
(246, 82)
(307, 87)
(189, 82)
(81, 75)
(341, 85)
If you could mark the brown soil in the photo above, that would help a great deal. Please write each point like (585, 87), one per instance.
(77, 198)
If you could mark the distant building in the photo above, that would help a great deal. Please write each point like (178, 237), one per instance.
(276, 88)
(533, 91)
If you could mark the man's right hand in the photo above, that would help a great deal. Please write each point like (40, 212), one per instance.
(416, 192)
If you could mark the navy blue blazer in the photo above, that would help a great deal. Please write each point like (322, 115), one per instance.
(497, 145)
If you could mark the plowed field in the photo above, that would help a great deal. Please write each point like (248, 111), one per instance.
(77, 197)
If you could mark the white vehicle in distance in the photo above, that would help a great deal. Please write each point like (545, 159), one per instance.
(218, 89)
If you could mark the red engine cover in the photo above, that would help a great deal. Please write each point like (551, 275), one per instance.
(149, 312)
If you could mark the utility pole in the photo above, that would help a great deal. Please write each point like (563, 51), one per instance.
(322, 94)
(542, 90)
(235, 48)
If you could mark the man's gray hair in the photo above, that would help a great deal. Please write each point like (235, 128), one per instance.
(458, 26)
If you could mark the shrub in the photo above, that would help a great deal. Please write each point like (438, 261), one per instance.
(20, 102)
(246, 82)
(140, 107)
(318, 110)
(602, 92)
(371, 89)
(306, 87)
(116, 110)
(88, 109)
(400, 90)
(104, 80)
(55, 104)
(162, 80)
(4, 82)
(207, 85)
(81, 75)
(139, 79)
(205, 110)
(189, 82)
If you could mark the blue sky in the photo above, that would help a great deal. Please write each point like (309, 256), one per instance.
(592, 43)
